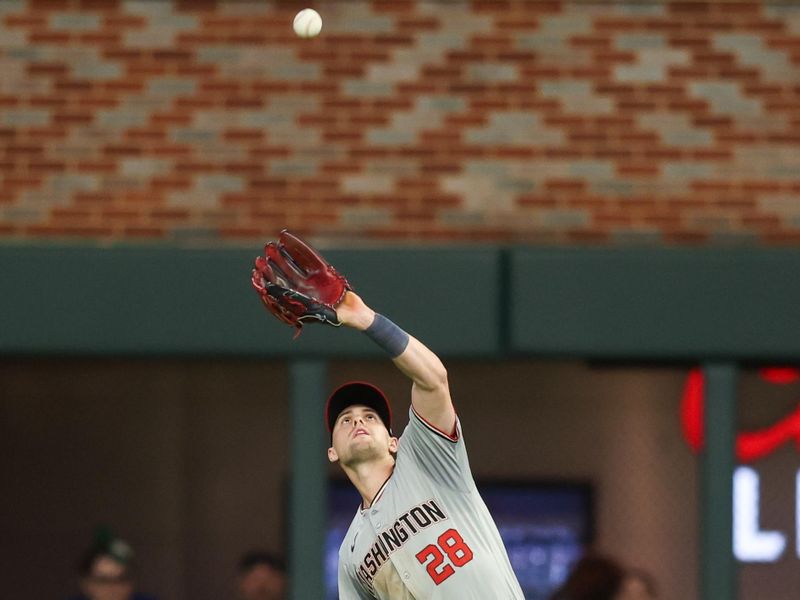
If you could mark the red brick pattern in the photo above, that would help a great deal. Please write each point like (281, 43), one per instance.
(489, 121)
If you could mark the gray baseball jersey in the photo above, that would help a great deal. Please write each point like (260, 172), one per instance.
(428, 533)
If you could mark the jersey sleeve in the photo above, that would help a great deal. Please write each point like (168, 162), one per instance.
(440, 455)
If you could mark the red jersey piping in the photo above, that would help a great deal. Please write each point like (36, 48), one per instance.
(453, 437)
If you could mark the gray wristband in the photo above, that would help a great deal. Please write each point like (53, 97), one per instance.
(387, 335)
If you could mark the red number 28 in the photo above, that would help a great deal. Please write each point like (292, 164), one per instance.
(453, 546)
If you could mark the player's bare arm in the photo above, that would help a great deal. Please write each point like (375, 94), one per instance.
(430, 394)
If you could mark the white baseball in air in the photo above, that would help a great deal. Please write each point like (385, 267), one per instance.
(307, 23)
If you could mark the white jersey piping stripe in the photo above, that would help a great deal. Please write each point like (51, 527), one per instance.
(436, 430)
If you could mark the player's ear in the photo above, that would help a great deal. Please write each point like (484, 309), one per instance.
(332, 455)
(392, 445)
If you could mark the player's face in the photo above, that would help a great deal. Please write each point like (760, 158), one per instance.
(359, 435)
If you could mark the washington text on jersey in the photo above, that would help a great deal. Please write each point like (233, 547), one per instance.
(410, 523)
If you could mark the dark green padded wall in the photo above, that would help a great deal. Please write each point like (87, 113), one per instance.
(656, 303)
(661, 304)
(170, 301)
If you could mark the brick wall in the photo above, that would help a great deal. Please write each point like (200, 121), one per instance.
(502, 121)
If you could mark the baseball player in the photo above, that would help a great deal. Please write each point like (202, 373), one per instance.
(422, 530)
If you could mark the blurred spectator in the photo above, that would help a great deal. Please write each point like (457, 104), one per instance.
(596, 577)
(637, 585)
(106, 570)
(262, 576)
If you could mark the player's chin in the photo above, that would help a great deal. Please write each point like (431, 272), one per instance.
(362, 453)
(362, 443)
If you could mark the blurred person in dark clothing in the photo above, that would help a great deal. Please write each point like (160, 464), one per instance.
(262, 576)
(106, 570)
(597, 577)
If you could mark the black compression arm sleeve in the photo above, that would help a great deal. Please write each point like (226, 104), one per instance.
(387, 335)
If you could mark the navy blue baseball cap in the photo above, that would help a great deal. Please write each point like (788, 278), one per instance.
(357, 392)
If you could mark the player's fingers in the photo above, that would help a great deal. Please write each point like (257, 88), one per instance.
(303, 255)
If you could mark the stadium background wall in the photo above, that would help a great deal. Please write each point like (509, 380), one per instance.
(612, 181)
(209, 122)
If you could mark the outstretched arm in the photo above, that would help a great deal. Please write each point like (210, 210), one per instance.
(430, 393)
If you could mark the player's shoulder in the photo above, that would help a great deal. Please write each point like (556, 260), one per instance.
(417, 422)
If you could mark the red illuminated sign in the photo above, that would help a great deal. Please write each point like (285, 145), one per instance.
(750, 445)
(751, 543)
